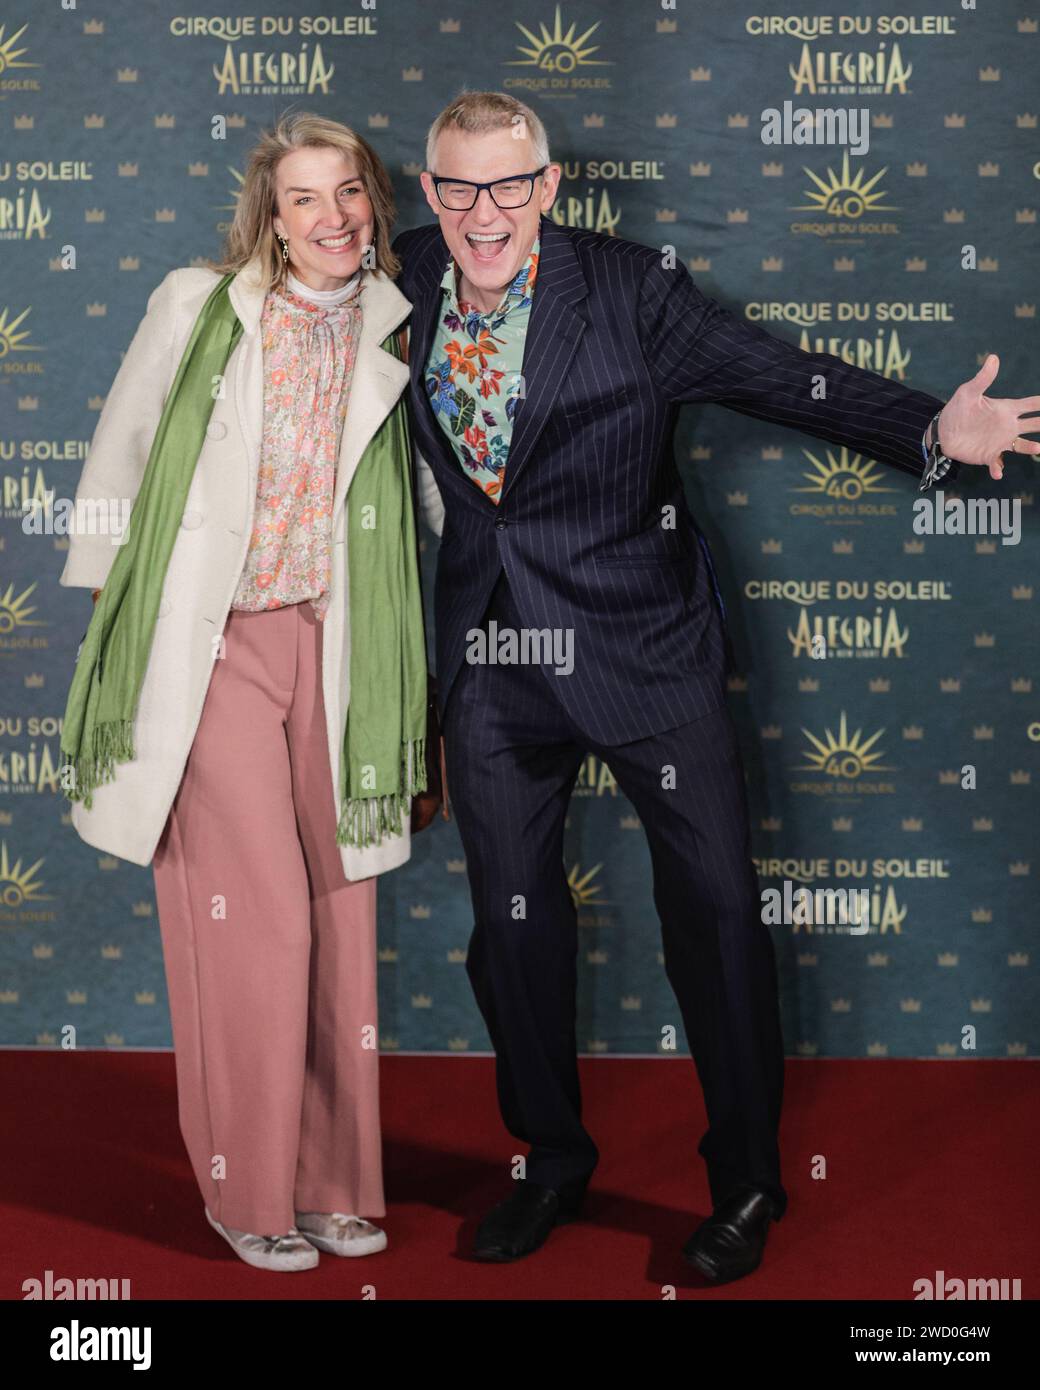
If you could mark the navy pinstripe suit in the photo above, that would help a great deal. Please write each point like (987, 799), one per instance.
(615, 345)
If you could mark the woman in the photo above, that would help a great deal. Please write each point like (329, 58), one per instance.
(249, 703)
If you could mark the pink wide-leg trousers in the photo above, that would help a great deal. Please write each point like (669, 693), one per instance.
(270, 952)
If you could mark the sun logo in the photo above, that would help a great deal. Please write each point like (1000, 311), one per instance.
(584, 892)
(558, 51)
(847, 195)
(11, 57)
(10, 339)
(236, 190)
(14, 612)
(18, 885)
(843, 477)
(843, 756)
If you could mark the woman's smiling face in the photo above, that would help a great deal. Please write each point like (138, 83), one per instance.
(324, 213)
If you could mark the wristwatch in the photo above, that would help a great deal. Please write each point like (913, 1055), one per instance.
(936, 463)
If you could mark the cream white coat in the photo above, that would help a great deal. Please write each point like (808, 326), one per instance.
(130, 812)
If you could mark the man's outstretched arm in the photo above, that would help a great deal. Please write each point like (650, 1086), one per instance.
(699, 352)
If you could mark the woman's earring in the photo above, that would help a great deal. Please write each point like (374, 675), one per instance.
(285, 248)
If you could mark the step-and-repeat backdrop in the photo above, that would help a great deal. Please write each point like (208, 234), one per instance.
(887, 658)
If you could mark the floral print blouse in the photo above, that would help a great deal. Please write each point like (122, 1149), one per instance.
(309, 353)
(473, 374)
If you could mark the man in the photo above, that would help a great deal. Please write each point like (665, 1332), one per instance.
(548, 365)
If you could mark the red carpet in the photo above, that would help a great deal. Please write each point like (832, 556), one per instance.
(930, 1166)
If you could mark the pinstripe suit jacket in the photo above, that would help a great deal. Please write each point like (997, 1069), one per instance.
(615, 345)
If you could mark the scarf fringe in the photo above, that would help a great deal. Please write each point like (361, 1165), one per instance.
(365, 820)
(111, 743)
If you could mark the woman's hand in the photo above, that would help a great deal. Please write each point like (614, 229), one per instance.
(424, 806)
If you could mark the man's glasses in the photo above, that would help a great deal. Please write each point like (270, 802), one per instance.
(457, 195)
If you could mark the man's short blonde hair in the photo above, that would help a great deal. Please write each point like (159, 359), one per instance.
(478, 112)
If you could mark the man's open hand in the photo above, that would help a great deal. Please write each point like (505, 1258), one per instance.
(978, 429)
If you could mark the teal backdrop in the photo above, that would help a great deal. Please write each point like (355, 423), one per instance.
(903, 763)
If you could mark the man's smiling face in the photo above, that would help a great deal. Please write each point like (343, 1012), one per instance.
(489, 243)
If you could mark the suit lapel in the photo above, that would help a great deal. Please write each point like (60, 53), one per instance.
(554, 331)
(425, 315)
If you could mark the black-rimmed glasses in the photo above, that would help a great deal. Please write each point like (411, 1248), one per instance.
(459, 195)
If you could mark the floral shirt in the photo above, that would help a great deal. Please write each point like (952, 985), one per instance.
(309, 354)
(473, 373)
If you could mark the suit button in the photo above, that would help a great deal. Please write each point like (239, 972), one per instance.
(191, 520)
(501, 524)
(216, 429)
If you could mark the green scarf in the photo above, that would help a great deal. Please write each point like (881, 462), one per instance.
(382, 762)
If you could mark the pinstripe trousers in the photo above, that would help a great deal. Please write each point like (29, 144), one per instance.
(513, 755)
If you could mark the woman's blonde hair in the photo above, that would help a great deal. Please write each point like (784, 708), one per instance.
(252, 231)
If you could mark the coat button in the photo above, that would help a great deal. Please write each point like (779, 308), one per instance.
(501, 524)
(191, 520)
(216, 429)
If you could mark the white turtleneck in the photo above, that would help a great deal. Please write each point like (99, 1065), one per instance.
(326, 299)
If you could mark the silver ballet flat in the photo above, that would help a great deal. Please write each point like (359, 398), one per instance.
(286, 1253)
(337, 1233)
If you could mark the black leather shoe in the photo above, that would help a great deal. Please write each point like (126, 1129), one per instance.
(730, 1243)
(520, 1224)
